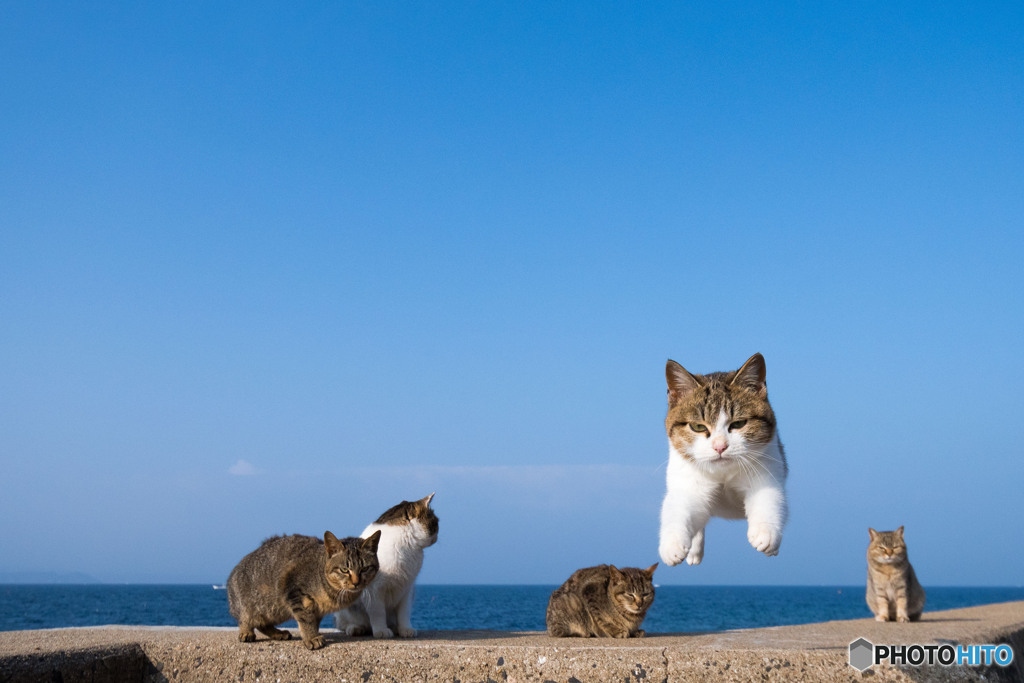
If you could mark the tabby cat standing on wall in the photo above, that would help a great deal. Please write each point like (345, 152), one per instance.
(894, 593)
(725, 460)
(302, 578)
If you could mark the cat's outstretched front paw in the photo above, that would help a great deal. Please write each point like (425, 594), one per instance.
(384, 633)
(406, 632)
(765, 538)
(673, 551)
(314, 643)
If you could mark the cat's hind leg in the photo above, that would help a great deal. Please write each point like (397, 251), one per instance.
(245, 629)
(274, 633)
(559, 631)
(696, 553)
(404, 614)
(377, 612)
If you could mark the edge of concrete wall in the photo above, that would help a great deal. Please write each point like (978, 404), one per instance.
(811, 652)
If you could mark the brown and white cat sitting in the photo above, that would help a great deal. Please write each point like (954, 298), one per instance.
(385, 609)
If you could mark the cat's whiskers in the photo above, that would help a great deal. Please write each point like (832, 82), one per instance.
(746, 465)
(756, 461)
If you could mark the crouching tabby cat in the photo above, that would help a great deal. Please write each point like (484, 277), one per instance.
(894, 593)
(601, 602)
(725, 460)
(299, 577)
(385, 608)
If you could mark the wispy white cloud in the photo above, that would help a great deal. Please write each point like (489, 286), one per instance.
(242, 468)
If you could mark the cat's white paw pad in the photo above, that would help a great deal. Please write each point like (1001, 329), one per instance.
(765, 538)
(673, 552)
(406, 632)
(384, 633)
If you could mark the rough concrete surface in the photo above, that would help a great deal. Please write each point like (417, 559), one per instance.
(812, 652)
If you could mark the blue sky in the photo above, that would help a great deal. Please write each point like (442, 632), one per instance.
(273, 268)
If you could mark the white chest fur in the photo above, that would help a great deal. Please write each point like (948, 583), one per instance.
(722, 475)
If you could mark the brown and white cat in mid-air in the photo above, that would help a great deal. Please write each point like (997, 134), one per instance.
(725, 460)
(894, 593)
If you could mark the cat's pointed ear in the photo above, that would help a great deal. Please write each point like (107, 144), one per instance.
(874, 534)
(900, 532)
(752, 374)
(680, 382)
(371, 541)
(426, 501)
(331, 543)
(650, 570)
(615, 573)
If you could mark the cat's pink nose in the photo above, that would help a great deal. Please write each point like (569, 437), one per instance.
(720, 446)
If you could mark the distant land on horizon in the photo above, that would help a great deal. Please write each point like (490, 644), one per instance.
(47, 577)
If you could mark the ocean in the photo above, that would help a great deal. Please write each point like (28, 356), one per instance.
(503, 608)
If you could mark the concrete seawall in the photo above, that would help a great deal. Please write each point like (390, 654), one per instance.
(812, 652)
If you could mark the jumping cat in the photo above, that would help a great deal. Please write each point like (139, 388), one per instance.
(601, 602)
(894, 593)
(302, 578)
(725, 460)
(385, 608)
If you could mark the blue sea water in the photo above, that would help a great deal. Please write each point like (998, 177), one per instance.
(504, 608)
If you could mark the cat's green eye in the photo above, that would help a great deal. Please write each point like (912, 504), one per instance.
(699, 428)
(738, 424)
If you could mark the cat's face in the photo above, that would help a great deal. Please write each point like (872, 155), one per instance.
(722, 420)
(632, 590)
(351, 562)
(418, 514)
(887, 547)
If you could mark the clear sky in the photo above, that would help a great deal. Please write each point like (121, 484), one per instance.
(272, 268)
